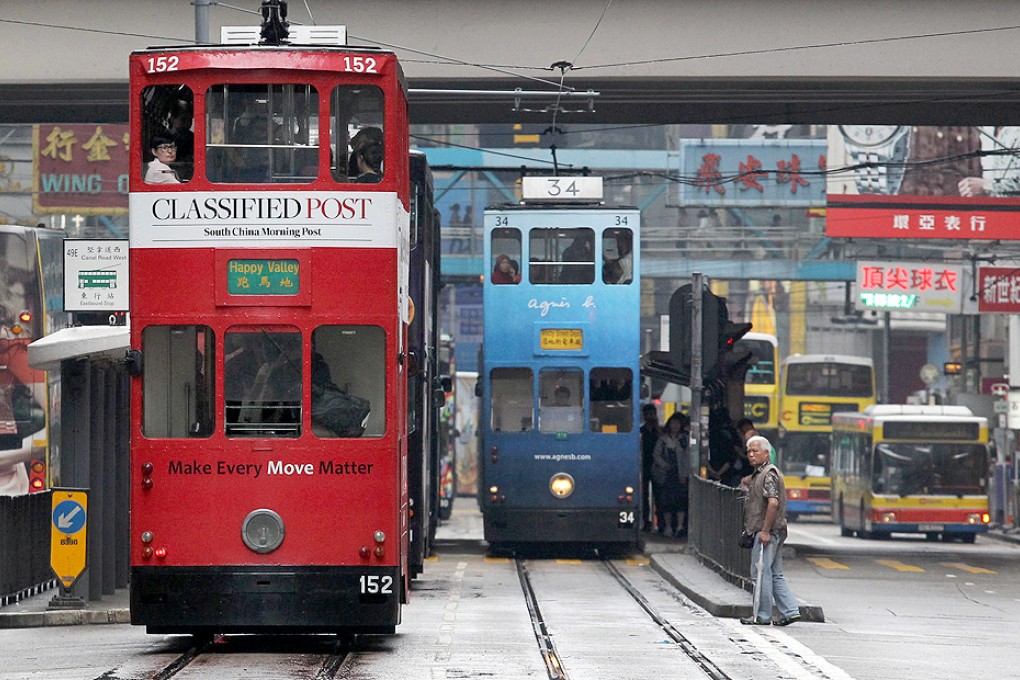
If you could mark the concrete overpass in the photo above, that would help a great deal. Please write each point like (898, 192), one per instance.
(937, 62)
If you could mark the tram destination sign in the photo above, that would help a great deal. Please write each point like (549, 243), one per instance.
(263, 277)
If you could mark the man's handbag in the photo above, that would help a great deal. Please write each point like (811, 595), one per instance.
(746, 539)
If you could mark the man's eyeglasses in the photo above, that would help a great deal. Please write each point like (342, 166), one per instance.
(166, 147)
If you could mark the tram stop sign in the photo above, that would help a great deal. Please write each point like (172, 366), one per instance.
(67, 534)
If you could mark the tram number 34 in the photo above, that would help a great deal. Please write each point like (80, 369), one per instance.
(376, 585)
(626, 517)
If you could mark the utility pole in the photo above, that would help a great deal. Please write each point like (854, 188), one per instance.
(201, 21)
(697, 320)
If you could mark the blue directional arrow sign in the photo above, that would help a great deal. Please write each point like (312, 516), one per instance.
(69, 517)
(68, 533)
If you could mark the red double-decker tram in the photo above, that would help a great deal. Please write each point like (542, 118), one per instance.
(269, 332)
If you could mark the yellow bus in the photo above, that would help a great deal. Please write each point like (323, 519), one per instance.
(761, 384)
(814, 387)
(911, 469)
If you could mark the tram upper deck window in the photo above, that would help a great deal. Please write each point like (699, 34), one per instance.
(262, 382)
(617, 256)
(262, 134)
(512, 400)
(168, 134)
(506, 258)
(177, 385)
(561, 255)
(348, 381)
(356, 122)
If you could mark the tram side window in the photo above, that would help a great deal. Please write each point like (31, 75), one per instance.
(262, 382)
(178, 382)
(512, 400)
(168, 135)
(356, 122)
(561, 255)
(617, 256)
(561, 400)
(506, 258)
(348, 381)
(612, 406)
(262, 134)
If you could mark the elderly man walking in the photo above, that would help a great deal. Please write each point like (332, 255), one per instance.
(765, 516)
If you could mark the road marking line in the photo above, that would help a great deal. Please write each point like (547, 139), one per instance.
(498, 560)
(568, 561)
(826, 563)
(638, 562)
(967, 568)
(899, 566)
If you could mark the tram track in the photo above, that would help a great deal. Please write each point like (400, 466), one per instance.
(204, 658)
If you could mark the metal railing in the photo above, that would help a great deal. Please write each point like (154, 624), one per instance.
(714, 527)
(24, 546)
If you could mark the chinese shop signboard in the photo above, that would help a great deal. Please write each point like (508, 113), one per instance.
(81, 169)
(889, 181)
(909, 287)
(998, 289)
(752, 172)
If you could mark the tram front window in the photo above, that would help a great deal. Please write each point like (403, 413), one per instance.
(262, 382)
(177, 385)
(168, 135)
(348, 381)
(561, 400)
(356, 121)
(612, 405)
(512, 409)
(561, 255)
(262, 134)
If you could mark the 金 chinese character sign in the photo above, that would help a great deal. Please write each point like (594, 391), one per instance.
(773, 172)
(889, 181)
(998, 289)
(81, 168)
(909, 287)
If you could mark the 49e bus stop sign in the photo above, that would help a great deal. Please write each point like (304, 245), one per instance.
(67, 536)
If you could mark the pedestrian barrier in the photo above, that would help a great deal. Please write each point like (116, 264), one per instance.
(714, 527)
(24, 546)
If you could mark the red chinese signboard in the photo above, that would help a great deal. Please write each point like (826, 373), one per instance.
(998, 289)
(861, 216)
(81, 169)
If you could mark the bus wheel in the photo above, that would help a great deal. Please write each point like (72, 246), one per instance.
(931, 536)
(843, 530)
(968, 538)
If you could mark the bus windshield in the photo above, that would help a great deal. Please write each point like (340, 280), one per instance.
(919, 468)
(806, 453)
(763, 371)
(829, 379)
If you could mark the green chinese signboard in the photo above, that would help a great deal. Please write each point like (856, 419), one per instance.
(263, 277)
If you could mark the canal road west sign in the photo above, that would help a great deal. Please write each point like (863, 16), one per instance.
(67, 535)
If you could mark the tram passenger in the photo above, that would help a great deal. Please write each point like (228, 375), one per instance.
(578, 261)
(505, 271)
(617, 261)
(367, 155)
(650, 431)
(562, 415)
(765, 516)
(335, 412)
(670, 467)
(181, 118)
(164, 152)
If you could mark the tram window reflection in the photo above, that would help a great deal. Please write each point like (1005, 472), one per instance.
(512, 400)
(348, 381)
(262, 382)
(262, 134)
(612, 405)
(178, 382)
(168, 136)
(358, 134)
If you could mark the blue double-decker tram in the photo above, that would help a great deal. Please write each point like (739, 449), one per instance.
(559, 376)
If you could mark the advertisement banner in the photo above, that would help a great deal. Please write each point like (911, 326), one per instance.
(897, 181)
(80, 169)
(998, 290)
(909, 287)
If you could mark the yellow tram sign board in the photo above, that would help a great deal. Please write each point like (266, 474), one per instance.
(561, 338)
(67, 535)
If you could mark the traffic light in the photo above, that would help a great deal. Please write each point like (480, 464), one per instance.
(714, 317)
(734, 362)
(36, 476)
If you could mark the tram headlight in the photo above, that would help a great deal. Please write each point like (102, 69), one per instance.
(561, 485)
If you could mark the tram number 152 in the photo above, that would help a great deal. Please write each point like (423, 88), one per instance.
(376, 585)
